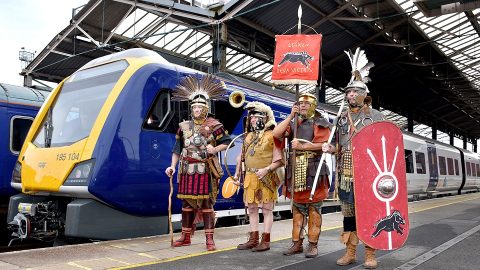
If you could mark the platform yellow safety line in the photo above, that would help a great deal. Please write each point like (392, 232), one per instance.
(280, 239)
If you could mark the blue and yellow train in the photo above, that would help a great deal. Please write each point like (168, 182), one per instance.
(93, 163)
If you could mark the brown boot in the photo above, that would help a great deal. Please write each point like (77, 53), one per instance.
(184, 240)
(187, 221)
(297, 229)
(370, 261)
(296, 247)
(314, 229)
(209, 225)
(264, 245)
(351, 240)
(251, 243)
(209, 241)
(312, 250)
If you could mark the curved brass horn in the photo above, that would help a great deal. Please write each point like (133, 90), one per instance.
(236, 99)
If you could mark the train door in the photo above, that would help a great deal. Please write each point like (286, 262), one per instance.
(432, 166)
(19, 127)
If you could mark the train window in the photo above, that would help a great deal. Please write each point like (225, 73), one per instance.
(450, 166)
(478, 170)
(158, 115)
(19, 126)
(71, 116)
(181, 113)
(469, 170)
(443, 165)
(474, 169)
(420, 164)
(409, 161)
(457, 169)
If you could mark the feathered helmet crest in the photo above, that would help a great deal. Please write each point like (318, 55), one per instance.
(260, 109)
(360, 70)
(199, 91)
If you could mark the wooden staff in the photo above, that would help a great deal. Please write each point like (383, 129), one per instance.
(170, 225)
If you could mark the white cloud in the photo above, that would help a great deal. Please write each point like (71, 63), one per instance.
(31, 24)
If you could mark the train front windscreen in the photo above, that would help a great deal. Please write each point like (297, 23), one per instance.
(76, 107)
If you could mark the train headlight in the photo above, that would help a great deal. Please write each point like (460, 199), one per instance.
(17, 173)
(27, 208)
(80, 174)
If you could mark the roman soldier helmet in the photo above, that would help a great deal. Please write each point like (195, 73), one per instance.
(360, 70)
(199, 91)
(313, 103)
(262, 110)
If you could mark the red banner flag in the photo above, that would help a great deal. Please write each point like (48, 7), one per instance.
(296, 59)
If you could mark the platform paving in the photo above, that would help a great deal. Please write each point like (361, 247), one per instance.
(156, 253)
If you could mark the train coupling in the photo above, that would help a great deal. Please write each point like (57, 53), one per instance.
(41, 221)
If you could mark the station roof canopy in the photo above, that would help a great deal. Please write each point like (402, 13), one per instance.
(426, 53)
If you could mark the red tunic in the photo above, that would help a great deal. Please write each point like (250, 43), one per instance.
(320, 135)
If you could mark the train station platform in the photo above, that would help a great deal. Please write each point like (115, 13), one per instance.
(444, 234)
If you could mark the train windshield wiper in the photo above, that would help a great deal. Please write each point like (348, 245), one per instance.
(48, 126)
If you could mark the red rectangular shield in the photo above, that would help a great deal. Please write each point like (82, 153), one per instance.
(296, 59)
(380, 186)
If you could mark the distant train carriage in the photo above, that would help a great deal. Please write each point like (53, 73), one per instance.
(93, 163)
(18, 107)
(436, 168)
(471, 168)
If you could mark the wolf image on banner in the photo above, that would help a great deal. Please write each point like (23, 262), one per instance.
(293, 57)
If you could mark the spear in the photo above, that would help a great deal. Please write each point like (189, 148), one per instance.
(324, 154)
(295, 119)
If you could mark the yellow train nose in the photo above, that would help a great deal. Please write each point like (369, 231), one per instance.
(45, 169)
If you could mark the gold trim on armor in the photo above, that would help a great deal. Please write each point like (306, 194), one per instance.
(182, 196)
(301, 166)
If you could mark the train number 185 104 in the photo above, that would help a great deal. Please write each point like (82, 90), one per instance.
(68, 156)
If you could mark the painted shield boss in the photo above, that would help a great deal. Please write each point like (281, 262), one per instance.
(380, 186)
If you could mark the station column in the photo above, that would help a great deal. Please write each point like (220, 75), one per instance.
(219, 52)
(27, 80)
(410, 120)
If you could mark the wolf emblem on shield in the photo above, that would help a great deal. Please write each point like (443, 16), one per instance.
(389, 223)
